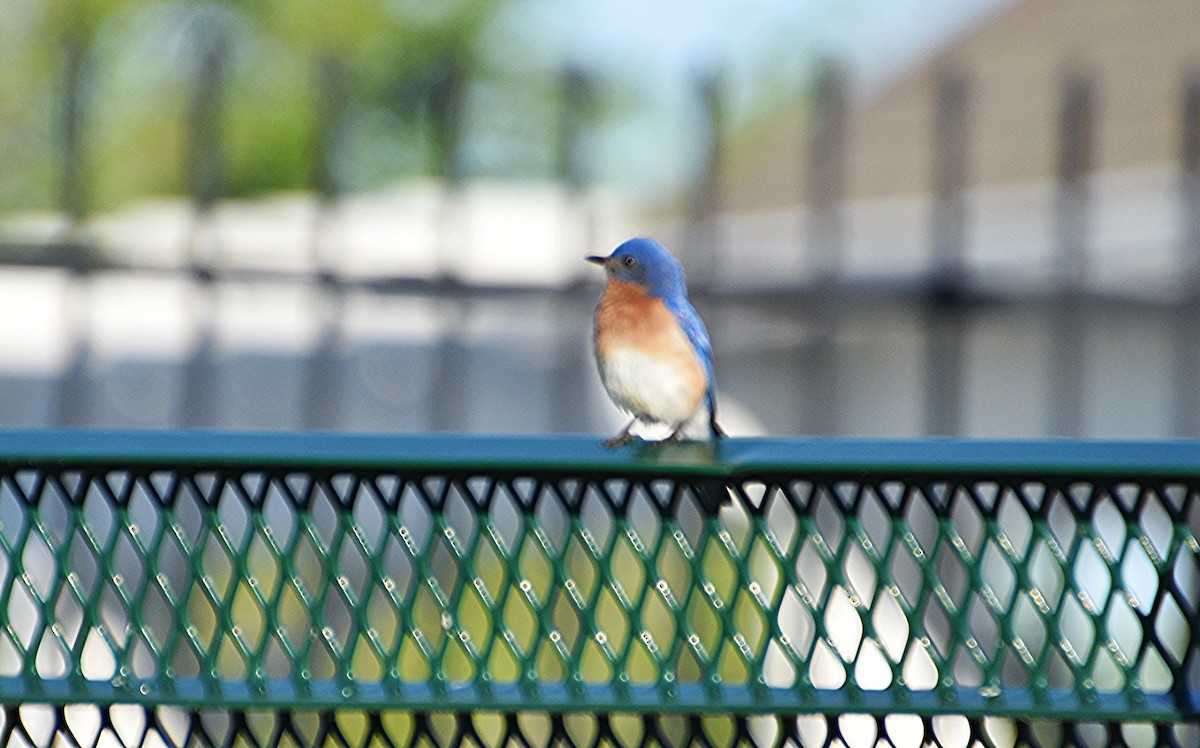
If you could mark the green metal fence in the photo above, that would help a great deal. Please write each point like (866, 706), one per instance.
(217, 589)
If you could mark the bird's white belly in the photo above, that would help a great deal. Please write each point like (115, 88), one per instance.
(650, 387)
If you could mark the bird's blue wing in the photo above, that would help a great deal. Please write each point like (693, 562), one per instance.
(693, 327)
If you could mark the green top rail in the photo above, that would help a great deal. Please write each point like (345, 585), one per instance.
(563, 454)
(315, 571)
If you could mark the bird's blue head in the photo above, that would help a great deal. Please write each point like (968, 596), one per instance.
(648, 264)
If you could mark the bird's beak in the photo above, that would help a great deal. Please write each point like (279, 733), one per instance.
(598, 260)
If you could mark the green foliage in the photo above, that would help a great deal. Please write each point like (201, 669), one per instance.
(145, 124)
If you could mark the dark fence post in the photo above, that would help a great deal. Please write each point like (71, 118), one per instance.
(325, 374)
(1187, 344)
(702, 245)
(826, 177)
(826, 242)
(447, 96)
(449, 385)
(950, 148)
(1189, 192)
(1076, 134)
(199, 398)
(945, 322)
(576, 114)
(72, 194)
(205, 160)
(71, 401)
(333, 86)
(571, 366)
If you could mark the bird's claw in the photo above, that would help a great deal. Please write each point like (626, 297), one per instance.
(619, 440)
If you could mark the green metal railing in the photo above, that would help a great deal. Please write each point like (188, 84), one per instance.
(306, 579)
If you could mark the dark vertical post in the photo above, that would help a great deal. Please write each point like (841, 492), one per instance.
(826, 178)
(702, 245)
(571, 365)
(449, 385)
(1187, 343)
(325, 371)
(72, 194)
(204, 139)
(576, 113)
(704, 241)
(945, 325)
(826, 240)
(447, 97)
(199, 397)
(945, 341)
(1076, 134)
(71, 400)
(333, 86)
(950, 146)
(1189, 192)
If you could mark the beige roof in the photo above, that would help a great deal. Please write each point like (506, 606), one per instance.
(1139, 53)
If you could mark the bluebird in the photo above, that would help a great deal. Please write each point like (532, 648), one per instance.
(651, 348)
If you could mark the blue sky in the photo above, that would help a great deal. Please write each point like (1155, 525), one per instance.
(673, 34)
(669, 36)
(658, 45)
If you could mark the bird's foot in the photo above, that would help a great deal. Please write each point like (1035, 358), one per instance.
(620, 439)
(624, 437)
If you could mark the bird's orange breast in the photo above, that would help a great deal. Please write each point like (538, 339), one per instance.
(628, 320)
(628, 317)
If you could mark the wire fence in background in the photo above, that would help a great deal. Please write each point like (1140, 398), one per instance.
(939, 331)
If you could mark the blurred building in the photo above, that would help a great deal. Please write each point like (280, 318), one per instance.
(1042, 91)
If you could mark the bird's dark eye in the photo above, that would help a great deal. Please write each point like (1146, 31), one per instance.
(630, 262)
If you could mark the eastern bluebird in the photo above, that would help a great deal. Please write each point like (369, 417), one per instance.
(651, 347)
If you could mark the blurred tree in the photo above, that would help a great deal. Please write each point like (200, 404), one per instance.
(163, 83)
(28, 71)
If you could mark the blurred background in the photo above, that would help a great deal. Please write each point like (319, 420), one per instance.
(898, 217)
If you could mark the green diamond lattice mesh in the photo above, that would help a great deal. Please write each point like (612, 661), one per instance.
(312, 590)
